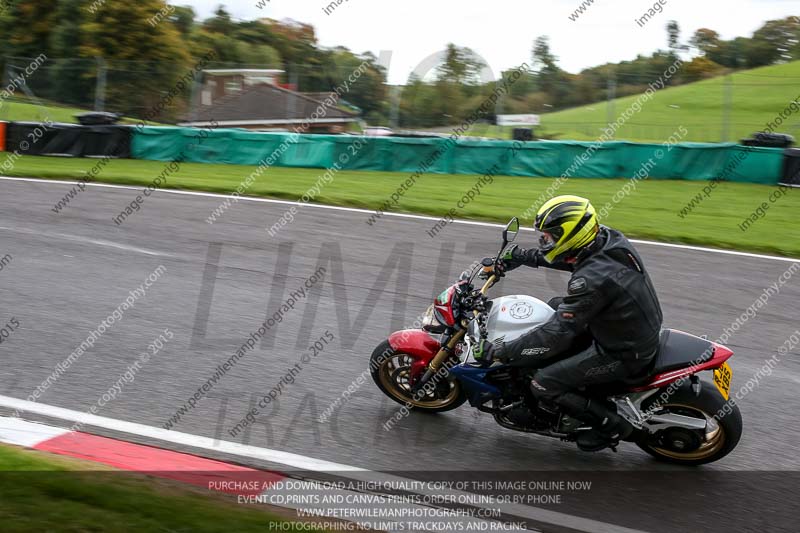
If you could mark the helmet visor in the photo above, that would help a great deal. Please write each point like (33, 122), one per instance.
(547, 241)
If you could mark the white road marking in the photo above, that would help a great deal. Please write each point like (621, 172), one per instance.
(397, 215)
(28, 434)
(85, 240)
(301, 462)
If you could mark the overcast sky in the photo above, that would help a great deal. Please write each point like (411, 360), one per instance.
(502, 31)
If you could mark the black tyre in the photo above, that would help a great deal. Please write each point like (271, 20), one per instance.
(390, 371)
(679, 446)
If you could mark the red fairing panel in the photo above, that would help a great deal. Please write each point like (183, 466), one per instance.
(416, 343)
(419, 345)
(721, 354)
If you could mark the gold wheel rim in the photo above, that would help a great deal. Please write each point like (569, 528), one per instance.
(393, 374)
(715, 439)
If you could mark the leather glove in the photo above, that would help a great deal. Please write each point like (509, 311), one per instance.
(508, 258)
(514, 257)
(504, 263)
(484, 352)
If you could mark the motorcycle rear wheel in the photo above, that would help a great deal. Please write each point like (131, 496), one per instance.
(721, 438)
(390, 371)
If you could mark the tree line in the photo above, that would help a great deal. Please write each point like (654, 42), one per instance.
(144, 48)
(457, 87)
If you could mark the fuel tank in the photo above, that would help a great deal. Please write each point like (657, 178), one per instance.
(513, 316)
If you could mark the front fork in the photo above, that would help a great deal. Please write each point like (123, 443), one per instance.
(436, 363)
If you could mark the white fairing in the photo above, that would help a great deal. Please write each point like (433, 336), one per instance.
(512, 316)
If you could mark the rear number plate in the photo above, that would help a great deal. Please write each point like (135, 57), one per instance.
(722, 379)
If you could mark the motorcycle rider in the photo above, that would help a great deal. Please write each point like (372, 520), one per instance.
(609, 296)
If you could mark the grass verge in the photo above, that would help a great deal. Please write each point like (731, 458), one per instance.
(651, 211)
(41, 492)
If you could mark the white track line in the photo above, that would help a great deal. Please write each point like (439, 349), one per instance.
(28, 434)
(300, 462)
(85, 240)
(396, 215)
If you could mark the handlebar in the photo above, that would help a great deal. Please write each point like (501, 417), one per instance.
(489, 282)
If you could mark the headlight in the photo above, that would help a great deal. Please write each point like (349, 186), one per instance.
(431, 323)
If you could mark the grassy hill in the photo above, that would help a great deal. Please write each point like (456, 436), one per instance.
(22, 111)
(14, 110)
(756, 96)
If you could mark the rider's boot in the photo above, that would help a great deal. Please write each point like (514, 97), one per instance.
(608, 428)
(522, 416)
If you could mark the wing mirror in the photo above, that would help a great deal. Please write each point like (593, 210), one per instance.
(511, 231)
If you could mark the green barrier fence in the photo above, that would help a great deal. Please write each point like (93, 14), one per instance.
(688, 161)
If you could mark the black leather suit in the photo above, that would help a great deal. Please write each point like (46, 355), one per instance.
(611, 298)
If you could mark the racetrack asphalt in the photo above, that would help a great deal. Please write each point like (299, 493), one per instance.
(69, 271)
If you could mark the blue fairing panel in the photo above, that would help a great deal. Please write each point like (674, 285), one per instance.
(473, 380)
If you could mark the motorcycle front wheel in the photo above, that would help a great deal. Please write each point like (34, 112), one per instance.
(391, 372)
(681, 446)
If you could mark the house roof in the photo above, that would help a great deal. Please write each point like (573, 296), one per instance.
(268, 103)
(320, 97)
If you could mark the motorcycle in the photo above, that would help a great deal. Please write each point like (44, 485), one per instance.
(677, 417)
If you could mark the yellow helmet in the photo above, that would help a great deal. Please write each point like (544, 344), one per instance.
(569, 224)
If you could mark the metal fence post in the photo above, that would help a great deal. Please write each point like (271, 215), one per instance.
(727, 95)
(395, 95)
(611, 112)
(100, 88)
